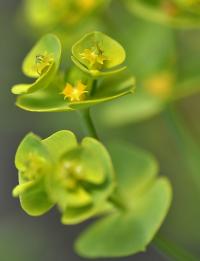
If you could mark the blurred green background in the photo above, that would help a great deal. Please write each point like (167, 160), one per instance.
(151, 48)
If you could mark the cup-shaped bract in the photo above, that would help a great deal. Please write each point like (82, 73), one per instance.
(41, 63)
(34, 163)
(98, 54)
(83, 181)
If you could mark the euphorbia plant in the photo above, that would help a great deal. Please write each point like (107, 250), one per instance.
(85, 179)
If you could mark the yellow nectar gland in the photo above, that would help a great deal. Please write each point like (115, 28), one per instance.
(74, 93)
(43, 61)
(94, 56)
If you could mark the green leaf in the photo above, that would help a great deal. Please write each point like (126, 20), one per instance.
(129, 231)
(33, 163)
(101, 45)
(48, 49)
(135, 169)
(169, 13)
(129, 109)
(51, 100)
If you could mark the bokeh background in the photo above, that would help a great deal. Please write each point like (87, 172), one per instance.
(25, 238)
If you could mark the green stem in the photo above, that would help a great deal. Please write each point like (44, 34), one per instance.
(189, 150)
(171, 250)
(88, 123)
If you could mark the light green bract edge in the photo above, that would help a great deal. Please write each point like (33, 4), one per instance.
(50, 45)
(148, 198)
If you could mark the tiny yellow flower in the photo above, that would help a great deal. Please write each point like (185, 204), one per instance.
(90, 56)
(74, 93)
(94, 56)
(43, 61)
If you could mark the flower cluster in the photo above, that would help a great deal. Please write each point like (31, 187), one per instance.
(79, 178)
(97, 74)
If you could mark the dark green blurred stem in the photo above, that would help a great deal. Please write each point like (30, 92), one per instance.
(94, 87)
(118, 202)
(88, 123)
(188, 148)
(171, 250)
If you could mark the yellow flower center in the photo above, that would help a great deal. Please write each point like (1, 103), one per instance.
(43, 61)
(94, 56)
(74, 93)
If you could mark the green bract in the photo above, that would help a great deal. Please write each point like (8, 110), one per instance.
(147, 199)
(52, 99)
(57, 170)
(98, 55)
(41, 63)
(83, 180)
(34, 163)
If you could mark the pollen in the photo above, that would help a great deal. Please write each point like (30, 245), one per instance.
(74, 93)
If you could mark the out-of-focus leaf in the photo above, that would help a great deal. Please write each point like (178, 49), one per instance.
(148, 199)
(164, 12)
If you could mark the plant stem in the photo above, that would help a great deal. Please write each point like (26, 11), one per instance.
(88, 123)
(171, 250)
(189, 150)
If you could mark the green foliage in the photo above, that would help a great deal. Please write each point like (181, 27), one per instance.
(80, 178)
(146, 199)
